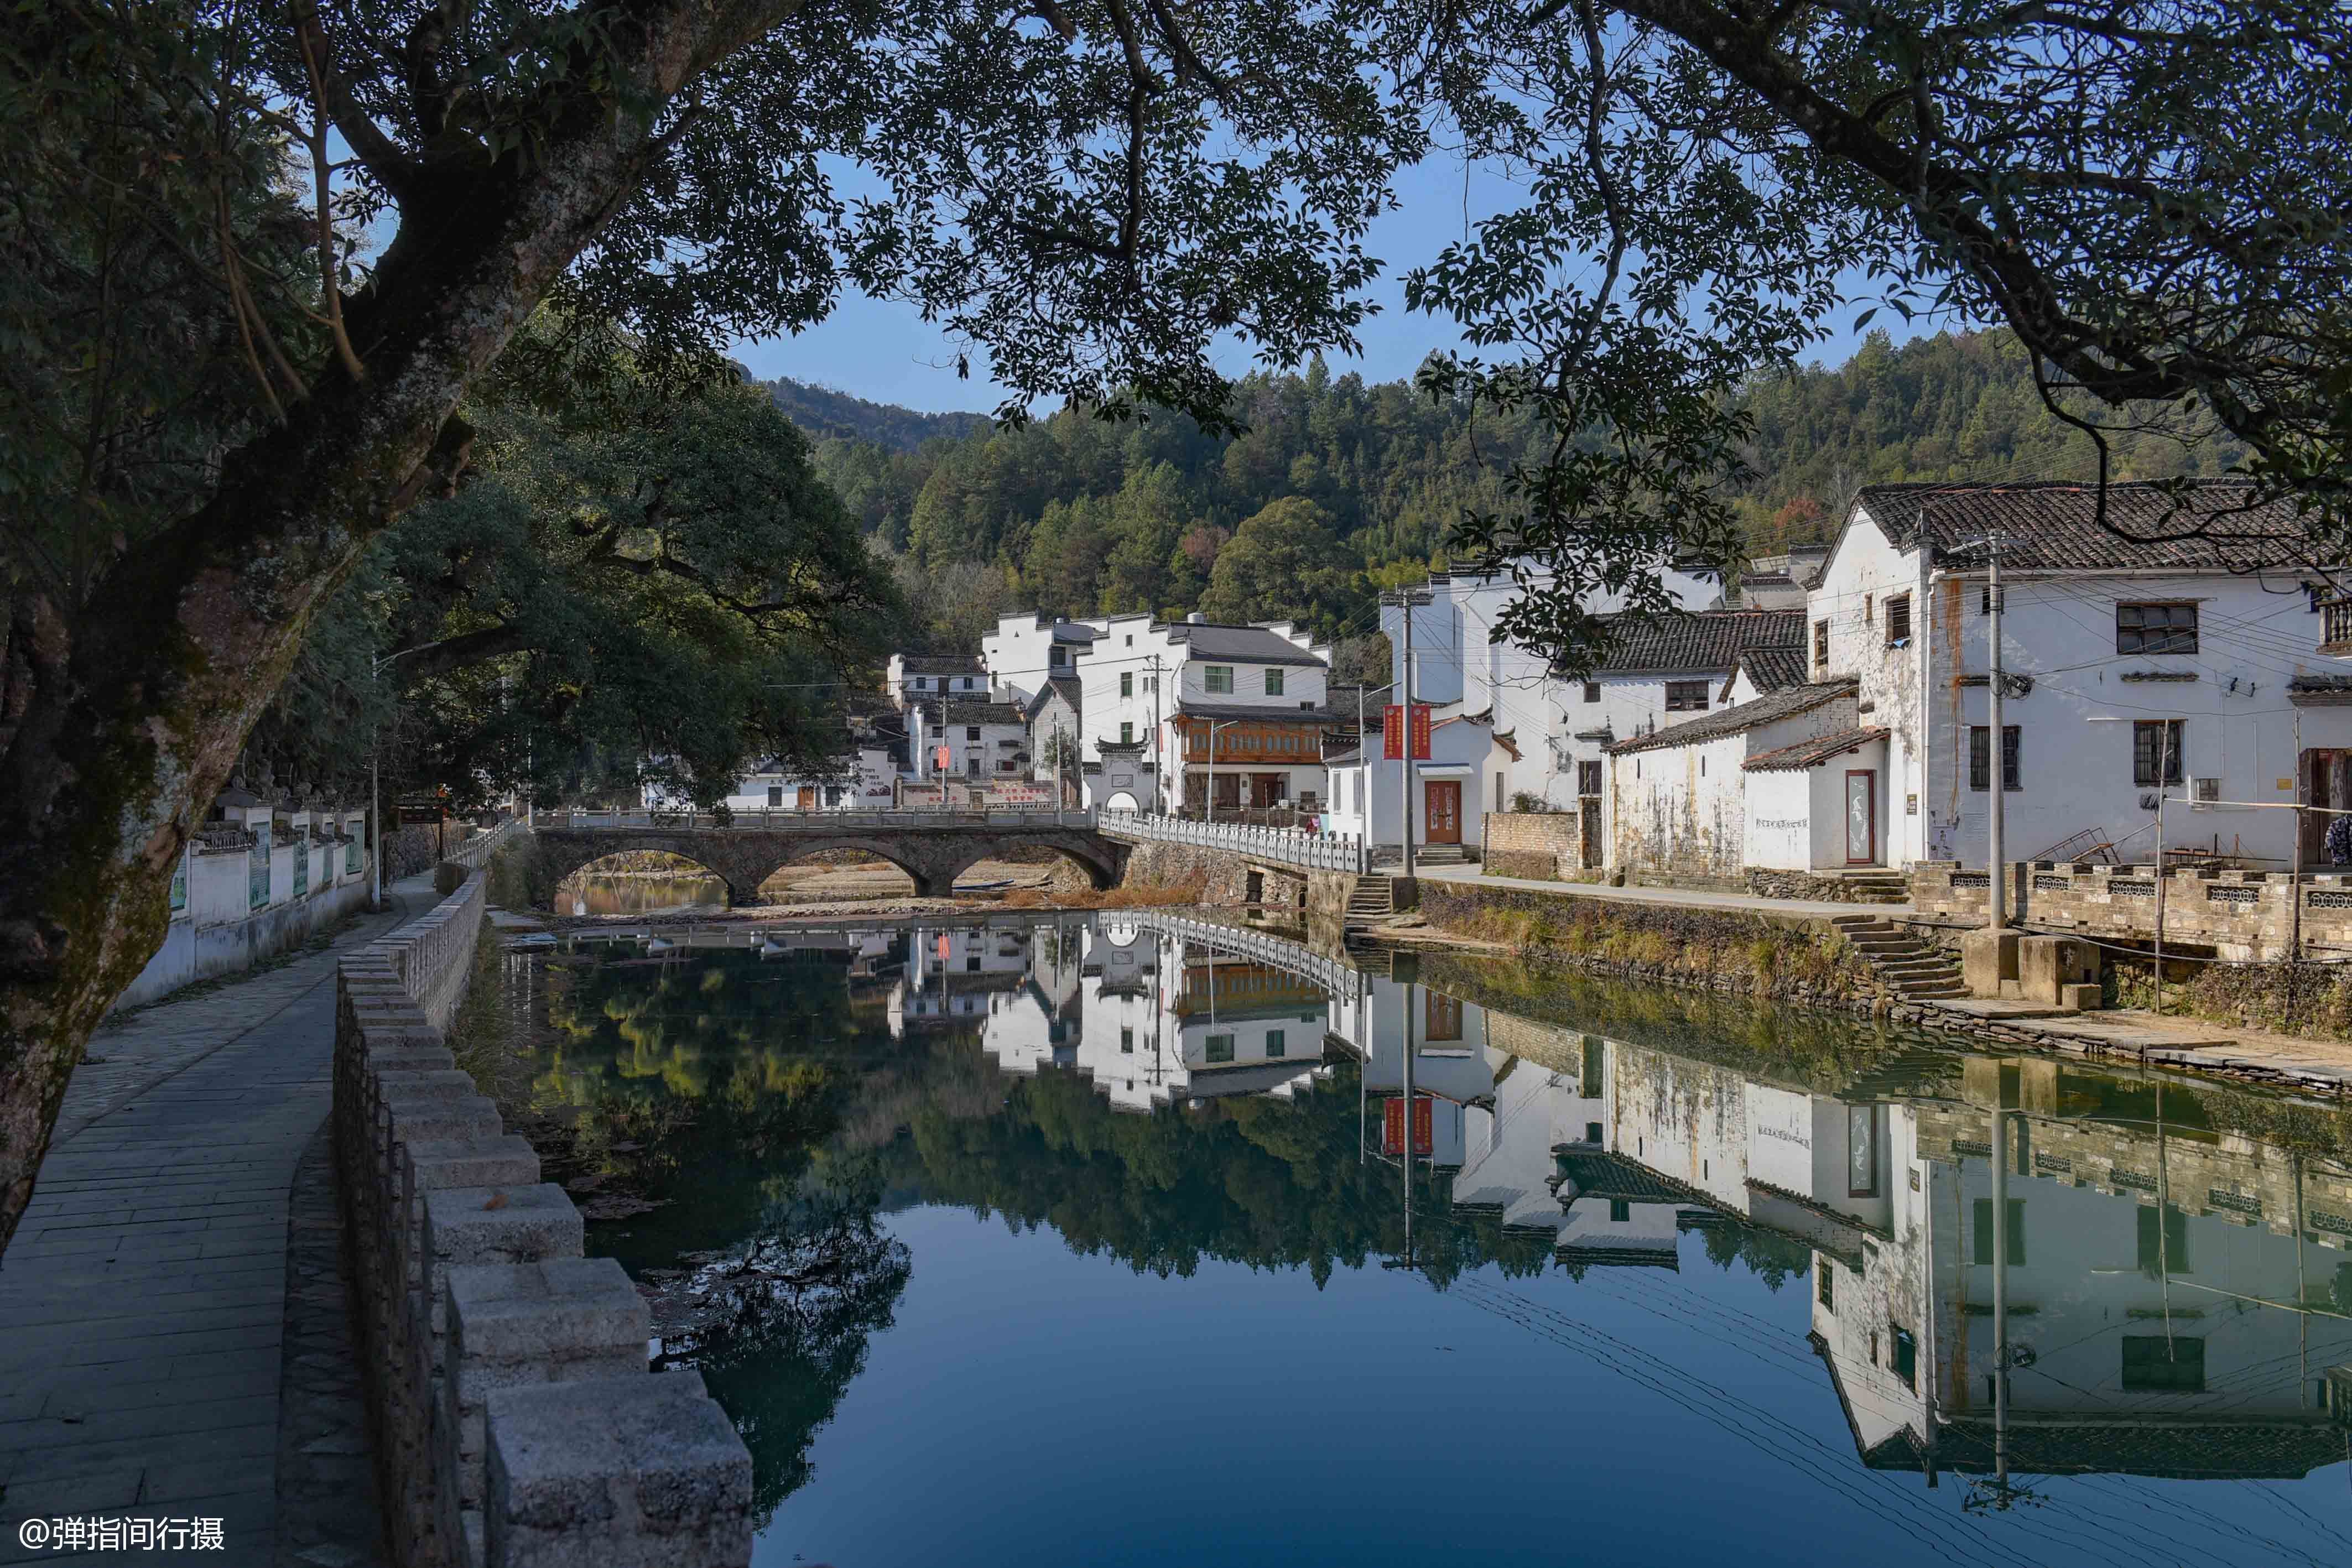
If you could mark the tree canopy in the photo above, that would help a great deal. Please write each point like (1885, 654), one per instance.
(1089, 198)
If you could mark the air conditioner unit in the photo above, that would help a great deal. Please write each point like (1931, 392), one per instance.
(2204, 791)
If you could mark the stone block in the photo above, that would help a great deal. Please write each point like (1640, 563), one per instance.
(511, 1325)
(2081, 998)
(410, 1121)
(2046, 965)
(621, 1473)
(1987, 958)
(499, 1225)
(431, 1165)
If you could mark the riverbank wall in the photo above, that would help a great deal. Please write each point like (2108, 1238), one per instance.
(1222, 878)
(514, 1418)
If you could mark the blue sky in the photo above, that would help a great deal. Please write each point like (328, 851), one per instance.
(884, 351)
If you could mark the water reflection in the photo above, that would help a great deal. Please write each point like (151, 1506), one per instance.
(2011, 1269)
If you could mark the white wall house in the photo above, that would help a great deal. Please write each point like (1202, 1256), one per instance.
(862, 778)
(1679, 808)
(1461, 662)
(1025, 652)
(1465, 776)
(2142, 661)
(1658, 673)
(1056, 745)
(917, 677)
(1163, 684)
(972, 740)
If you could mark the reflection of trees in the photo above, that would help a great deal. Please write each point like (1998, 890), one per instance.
(1770, 1255)
(778, 1119)
(1269, 1183)
(791, 1310)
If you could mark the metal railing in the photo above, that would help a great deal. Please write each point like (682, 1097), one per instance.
(783, 818)
(1286, 846)
(1334, 974)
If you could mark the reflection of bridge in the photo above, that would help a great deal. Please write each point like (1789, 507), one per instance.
(746, 848)
(1336, 976)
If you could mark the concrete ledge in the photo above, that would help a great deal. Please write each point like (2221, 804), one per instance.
(471, 1288)
(616, 1474)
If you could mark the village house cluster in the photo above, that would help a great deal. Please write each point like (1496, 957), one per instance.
(1824, 718)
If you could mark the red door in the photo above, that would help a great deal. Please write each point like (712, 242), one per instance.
(1442, 808)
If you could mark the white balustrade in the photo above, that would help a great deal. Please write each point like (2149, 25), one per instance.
(1287, 846)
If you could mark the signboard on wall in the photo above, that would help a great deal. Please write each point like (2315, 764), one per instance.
(1424, 1138)
(1393, 729)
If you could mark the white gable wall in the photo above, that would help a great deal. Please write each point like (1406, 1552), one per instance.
(1863, 572)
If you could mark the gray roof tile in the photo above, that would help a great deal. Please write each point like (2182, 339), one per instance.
(1784, 704)
(2212, 526)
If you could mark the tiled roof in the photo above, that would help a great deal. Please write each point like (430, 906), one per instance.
(977, 712)
(1221, 711)
(1746, 716)
(1703, 640)
(1772, 668)
(1806, 753)
(928, 664)
(2052, 527)
(1066, 685)
(1243, 644)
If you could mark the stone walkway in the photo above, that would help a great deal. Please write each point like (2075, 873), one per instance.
(144, 1299)
(1672, 897)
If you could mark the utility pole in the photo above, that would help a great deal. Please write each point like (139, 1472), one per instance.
(1997, 899)
(1159, 769)
(1406, 601)
(2001, 1294)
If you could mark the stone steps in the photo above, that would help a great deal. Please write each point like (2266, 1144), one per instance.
(1912, 969)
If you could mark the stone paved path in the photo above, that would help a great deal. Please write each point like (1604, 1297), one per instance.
(1676, 898)
(144, 1301)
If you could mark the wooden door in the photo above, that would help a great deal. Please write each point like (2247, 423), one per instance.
(808, 797)
(1589, 830)
(1441, 809)
(1862, 817)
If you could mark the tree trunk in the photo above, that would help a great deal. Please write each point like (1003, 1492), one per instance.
(121, 719)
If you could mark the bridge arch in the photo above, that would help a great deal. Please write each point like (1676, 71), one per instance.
(1102, 870)
(801, 849)
(683, 866)
(932, 856)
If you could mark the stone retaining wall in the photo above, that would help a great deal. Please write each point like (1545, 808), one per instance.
(516, 1424)
(1770, 882)
(1542, 844)
(2246, 915)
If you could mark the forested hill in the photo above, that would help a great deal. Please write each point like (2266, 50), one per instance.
(1336, 484)
(826, 414)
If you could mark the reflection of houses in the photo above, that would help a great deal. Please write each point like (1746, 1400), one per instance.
(1153, 1020)
(2175, 1296)
(952, 971)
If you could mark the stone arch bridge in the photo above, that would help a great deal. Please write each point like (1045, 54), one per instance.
(933, 848)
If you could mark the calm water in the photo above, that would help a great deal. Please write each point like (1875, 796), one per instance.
(1088, 1240)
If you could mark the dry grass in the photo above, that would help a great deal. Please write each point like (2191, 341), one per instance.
(1169, 896)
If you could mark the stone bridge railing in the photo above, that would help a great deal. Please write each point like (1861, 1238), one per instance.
(516, 1422)
(1331, 972)
(780, 820)
(1283, 846)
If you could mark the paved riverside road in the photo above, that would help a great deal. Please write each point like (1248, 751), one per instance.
(1673, 897)
(142, 1302)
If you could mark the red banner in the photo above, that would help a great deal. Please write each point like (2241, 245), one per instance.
(1425, 1139)
(1391, 724)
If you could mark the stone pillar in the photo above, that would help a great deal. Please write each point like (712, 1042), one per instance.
(646, 1467)
(515, 1326)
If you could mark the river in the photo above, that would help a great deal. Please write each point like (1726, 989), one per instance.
(1115, 1238)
